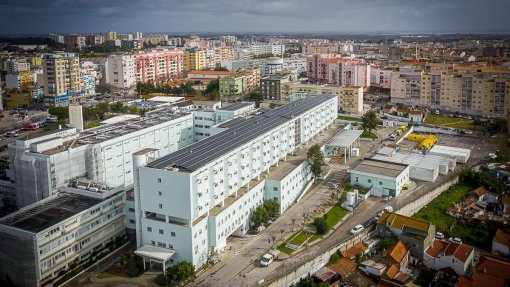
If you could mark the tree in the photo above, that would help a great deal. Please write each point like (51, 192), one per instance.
(133, 110)
(272, 207)
(60, 112)
(369, 121)
(117, 107)
(259, 216)
(256, 97)
(182, 271)
(214, 96)
(316, 160)
(320, 225)
(387, 243)
(213, 85)
(221, 69)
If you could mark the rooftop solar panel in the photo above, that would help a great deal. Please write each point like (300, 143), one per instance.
(199, 154)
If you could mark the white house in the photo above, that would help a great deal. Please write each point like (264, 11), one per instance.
(440, 254)
(383, 178)
(501, 243)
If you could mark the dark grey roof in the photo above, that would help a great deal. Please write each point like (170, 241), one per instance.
(51, 212)
(239, 132)
(235, 106)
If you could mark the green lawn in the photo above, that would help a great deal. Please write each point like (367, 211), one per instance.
(92, 124)
(367, 134)
(458, 123)
(334, 215)
(360, 189)
(435, 212)
(352, 119)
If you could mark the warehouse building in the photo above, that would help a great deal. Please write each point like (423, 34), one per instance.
(216, 183)
(459, 154)
(382, 178)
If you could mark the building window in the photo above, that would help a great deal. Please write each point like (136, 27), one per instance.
(159, 180)
(275, 188)
(160, 193)
(160, 206)
(153, 242)
(380, 182)
(356, 179)
(172, 234)
(149, 229)
(161, 231)
(369, 181)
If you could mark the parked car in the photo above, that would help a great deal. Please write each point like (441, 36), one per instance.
(388, 209)
(357, 229)
(266, 260)
(12, 134)
(378, 215)
(455, 239)
(437, 112)
(439, 235)
(393, 137)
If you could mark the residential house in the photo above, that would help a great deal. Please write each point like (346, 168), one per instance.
(440, 254)
(372, 267)
(396, 277)
(398, 255)
(501, 243)
(416, 233)
(488, 271)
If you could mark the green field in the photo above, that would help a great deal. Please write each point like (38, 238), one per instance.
(458, 123)
(370, 135)
(435, 212)
(334, 215)
(352, 119)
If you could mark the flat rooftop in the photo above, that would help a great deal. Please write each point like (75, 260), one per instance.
(380, 168)
(285, 167)
(236, 106)
(42, 215)
(239, 132)
(345, 138)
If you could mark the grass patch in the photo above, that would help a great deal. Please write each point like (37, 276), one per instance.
(300, 238)
(370, 135)
(347, 118)
(458, 123)
(435, 211)
(110, 274)
(360, 189)
(92, 124)
(285, 249)
(334, 215)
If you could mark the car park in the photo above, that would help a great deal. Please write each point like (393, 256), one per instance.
(357, 229)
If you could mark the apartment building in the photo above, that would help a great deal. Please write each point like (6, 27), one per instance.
(75, 40)
(217, 182)
(267, 66)
(41, 165)
(350, 99)
(194, 59)
(380, 77)
(19, 80)
(51, 236)
(406, 87)
(121, 71)
(89, 79)
(330, 69)
(158, 64)
(271, 86)
(239, 84)
(61, 78)
(110, 36)
(16, 65)
(57, 38)
(94, 39)
(275, 49)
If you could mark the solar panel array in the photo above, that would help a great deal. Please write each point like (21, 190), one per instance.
(235, 106)
(239, 132)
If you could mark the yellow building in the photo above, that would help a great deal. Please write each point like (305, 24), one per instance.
(194, 59)
(15, 98)
(110, 36)
(36, 61)
(19, 80)
(350, 98)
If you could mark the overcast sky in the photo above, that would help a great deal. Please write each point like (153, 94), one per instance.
(341, 16)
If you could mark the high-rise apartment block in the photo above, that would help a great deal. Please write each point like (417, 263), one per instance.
(61, 78)
(110, 36)
(327, 69)
(158, 64)
(121, 71)
(239, 84)
(194, 59)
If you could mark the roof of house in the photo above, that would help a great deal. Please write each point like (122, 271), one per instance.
(502, 237)
(488, 269)
(446, 248)
(480, 191)
(392, 271)
(398, 252)
(398, 221)
(352, 251)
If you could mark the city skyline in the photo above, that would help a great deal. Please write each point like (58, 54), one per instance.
(373, 16)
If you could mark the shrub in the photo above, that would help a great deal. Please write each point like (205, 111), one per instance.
(320, 225)
(334, 258)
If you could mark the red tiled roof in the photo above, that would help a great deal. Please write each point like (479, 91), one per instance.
(351, 252)
(195, 72)
(401, 277)
(436, 247)
(398, 251)
(502, 237)
(392, 271)
(459, 251)
(505, 199)
(480, 191)
(488, 269)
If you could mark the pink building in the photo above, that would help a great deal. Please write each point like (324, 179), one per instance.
(157, 65)
(380, 77)
(327, 69)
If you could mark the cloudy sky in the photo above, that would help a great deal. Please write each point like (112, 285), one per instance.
(341, 16)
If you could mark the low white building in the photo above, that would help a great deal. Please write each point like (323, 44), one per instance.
(440, 254)
(382, 178)
(42, 240)
(459, 154)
